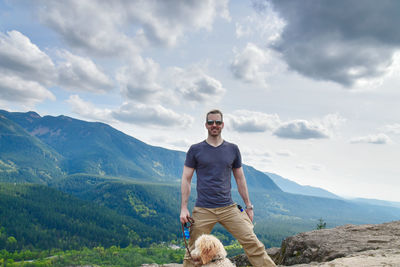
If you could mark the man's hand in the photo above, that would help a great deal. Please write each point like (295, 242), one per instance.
(185, 214)
(250, 213)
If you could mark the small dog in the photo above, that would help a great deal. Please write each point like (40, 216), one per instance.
(210, 252)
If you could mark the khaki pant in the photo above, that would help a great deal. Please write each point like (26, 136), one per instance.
(237, 223)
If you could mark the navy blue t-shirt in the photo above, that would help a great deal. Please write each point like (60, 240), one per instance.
(213, 167)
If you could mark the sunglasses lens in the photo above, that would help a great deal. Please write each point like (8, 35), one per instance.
(210, 122)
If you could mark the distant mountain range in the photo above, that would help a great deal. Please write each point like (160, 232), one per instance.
(295, 188)
(94, 162)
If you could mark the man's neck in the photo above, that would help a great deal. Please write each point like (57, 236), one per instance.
(214, 140)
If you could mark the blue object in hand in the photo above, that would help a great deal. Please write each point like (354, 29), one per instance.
(187, 233)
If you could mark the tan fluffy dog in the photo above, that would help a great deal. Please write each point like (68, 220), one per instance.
(209, 251)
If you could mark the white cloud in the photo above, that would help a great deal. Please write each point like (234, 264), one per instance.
(15, 89)
(378, 139)
(252, 121)
(151, 115)
(122, 26)
(392, 128)
(140, 80)
(266, 25)
(253, 65)
(195, 85)
(330, 42)
(88, 110)
(20, 57)
(81, 74)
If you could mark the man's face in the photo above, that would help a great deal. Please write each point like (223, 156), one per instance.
(214, 129)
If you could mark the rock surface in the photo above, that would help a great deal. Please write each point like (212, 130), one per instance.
(343, 241)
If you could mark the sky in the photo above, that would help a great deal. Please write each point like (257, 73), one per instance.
(309, 89)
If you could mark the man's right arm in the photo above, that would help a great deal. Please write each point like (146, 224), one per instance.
(187, 176)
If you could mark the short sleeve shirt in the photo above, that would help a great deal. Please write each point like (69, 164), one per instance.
(213, 167)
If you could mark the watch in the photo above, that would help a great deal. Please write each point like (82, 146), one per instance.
(250, 207)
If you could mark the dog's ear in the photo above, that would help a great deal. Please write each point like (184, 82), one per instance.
(208, 252)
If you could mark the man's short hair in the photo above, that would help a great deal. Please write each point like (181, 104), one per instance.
(215, 111)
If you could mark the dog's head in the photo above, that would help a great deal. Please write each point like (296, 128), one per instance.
(208, 248)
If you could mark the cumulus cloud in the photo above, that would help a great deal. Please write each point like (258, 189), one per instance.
(151, 115)
(88, 109)
(378, 139)
(252, 65)
(19, 56)
(314, 129)
(195, 85)
(301, 129)
(15, 89)
(81, 74)
(140, 80)
(120, 26)
(252, 121)
(25, 70)
(339, 41)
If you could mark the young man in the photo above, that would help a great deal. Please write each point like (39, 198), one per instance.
(214, 160)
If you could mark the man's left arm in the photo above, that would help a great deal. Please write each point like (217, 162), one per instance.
(244, 193)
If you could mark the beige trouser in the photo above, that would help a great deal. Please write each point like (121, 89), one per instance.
(237, 223)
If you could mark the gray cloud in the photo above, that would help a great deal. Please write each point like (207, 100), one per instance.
(378, 139)
(341, 41)
(301, 129)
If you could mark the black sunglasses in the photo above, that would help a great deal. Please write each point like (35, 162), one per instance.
(211, 122)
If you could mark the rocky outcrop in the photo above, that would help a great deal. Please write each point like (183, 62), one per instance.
(344, 241)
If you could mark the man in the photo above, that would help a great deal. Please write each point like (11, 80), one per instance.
(214, 160)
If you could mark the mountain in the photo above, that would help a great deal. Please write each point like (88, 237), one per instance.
(376, 202)
(292, 187)
(97, 164)
(24, 157)
(97, 148)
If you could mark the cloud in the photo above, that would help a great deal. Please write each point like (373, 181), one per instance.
(25, 70)
(117, 27)
(251, 64)
(15, 89)
(151, 115)
(81, 74)
(340, 41)
(392, 128)
(378, 139)
(252, 121)
(195, 85)
(20, 57)
(88, 110)
(315, 129)
(140, 80)
(285, 153)
(301, 129)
